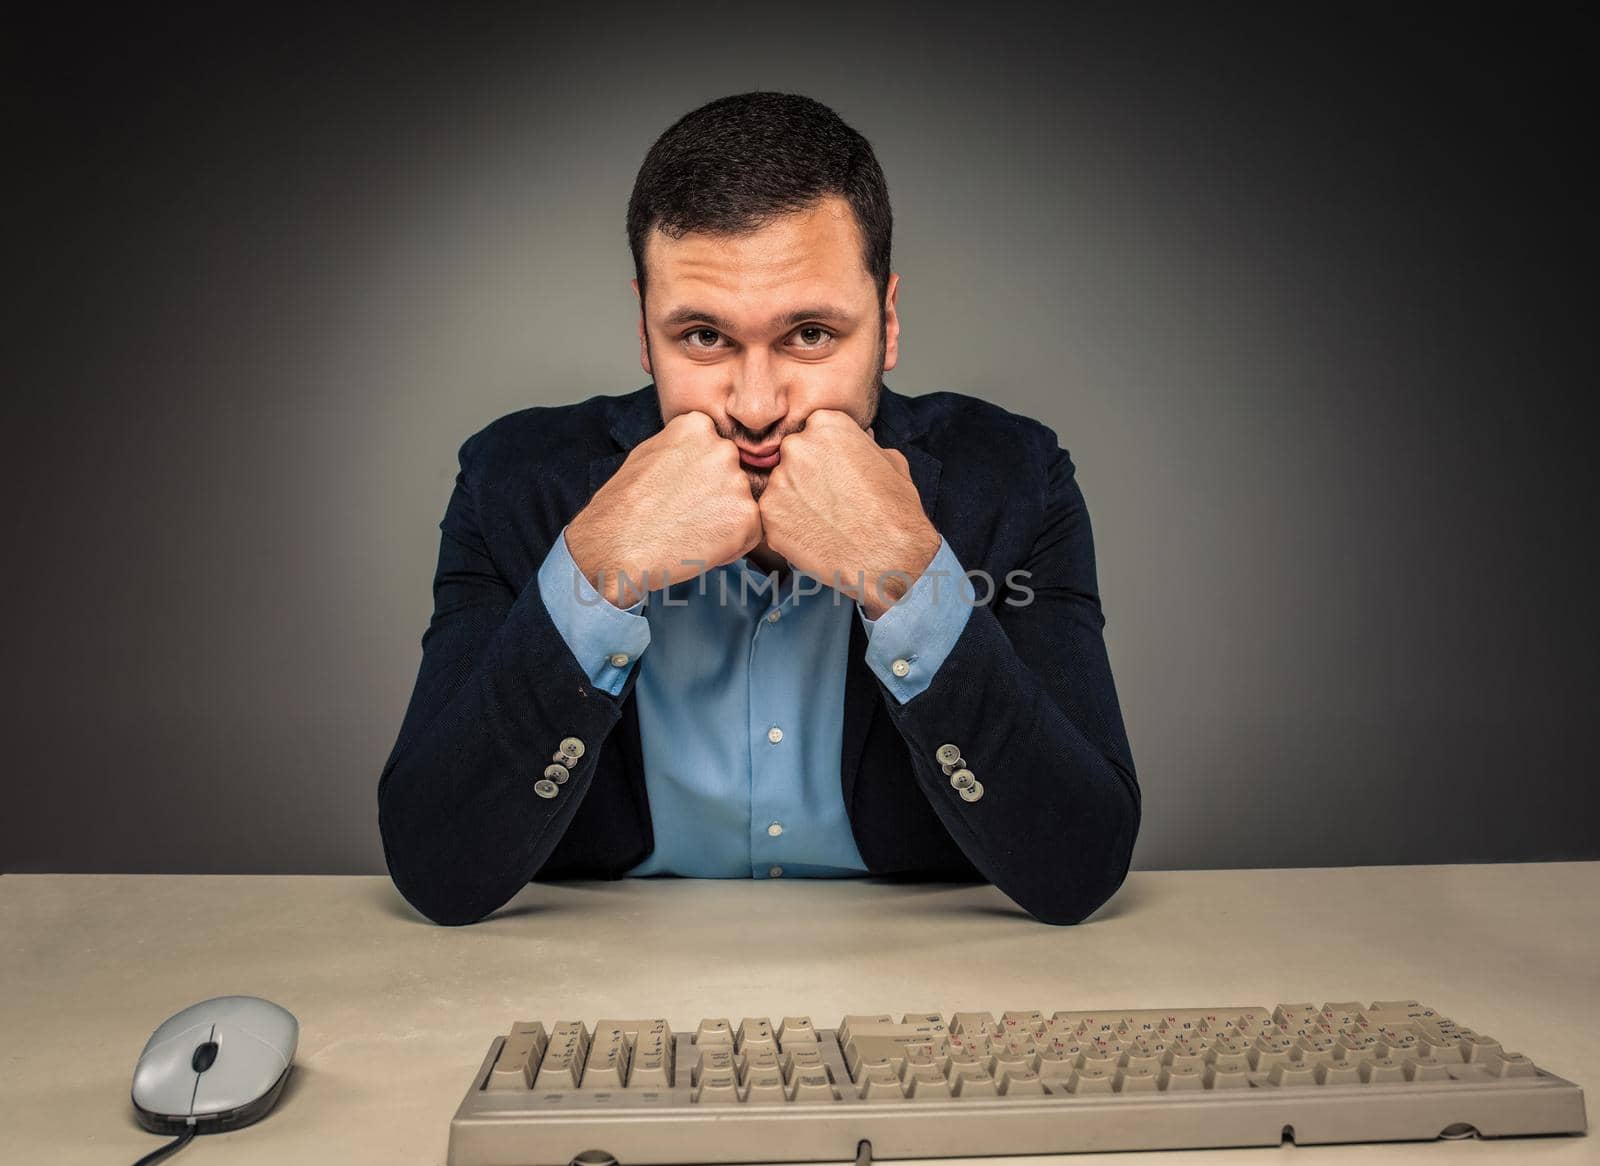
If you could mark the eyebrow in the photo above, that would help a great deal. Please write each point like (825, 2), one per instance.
(690, 315)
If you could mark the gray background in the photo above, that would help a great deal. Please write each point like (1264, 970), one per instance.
(1308, 305)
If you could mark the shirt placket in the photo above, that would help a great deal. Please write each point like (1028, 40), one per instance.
(774, 719)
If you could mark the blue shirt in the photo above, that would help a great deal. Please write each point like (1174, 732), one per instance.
(741, 702)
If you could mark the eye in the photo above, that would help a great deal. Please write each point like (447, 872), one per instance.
(700, 332)
(805, 328)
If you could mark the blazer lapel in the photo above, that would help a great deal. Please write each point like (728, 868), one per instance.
(631, 418)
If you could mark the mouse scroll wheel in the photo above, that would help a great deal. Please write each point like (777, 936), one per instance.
(204, 1056)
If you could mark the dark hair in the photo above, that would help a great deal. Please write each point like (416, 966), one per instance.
(736, 163)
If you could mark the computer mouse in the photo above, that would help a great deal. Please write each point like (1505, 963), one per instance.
(217, 1065)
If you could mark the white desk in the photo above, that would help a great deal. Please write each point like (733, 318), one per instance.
(396, 1013)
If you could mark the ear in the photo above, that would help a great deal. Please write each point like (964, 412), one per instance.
(644, 340)
(891, 324)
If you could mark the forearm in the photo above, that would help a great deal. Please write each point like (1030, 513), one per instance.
(463, 825)
(1059, 812)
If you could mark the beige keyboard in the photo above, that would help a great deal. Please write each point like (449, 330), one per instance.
(927, 1085)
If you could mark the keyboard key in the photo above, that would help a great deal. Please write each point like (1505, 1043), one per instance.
(1290, 1015)
(651, 1070)
(1292, 1073)
(716, 1088)
(910, 1028)
(974, 1023)
(714, 1032)
(766, 1087)
(1389, 1011)
(1138, 1056)
(880, 1083)
(1021, 1083)
(1478, 1048)
(845, 1031)
(1030, 1022)
(757, 1060)
(1512, 1065)
(714, 1078)
(922, 1085)
(755, 1032)
(1384, 1068)
(1092, 1079)
(1227, 1073)
(562, 1066)
(1425, 1069)
(1056, 1063)
(1180, 1077)
(606, 1067)
(650, 1058)
(812, 1085)
(1140, 1080)
(867, 1051)
(1339, 1073)
(972, 1085)
(519, 1057)
(801, 1058)
(796, 1029)
(1006, 1061)
(864, 1065)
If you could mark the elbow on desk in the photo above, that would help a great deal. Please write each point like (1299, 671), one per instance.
(1074, 906)
(429, 878)
(436, 900)
(1077, 879)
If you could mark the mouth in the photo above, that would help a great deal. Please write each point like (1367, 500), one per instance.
(759, 459)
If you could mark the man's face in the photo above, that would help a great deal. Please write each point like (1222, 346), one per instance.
(757, 331)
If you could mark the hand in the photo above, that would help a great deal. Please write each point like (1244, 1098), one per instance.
(845, 511)
(680, 495)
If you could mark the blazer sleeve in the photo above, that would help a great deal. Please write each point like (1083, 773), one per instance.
(1026, 695)
(497, 693)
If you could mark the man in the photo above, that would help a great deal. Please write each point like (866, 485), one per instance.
(764, 617)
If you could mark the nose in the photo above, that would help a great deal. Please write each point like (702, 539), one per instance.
(756, 402)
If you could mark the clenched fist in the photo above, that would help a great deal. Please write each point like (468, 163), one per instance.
(678, 505)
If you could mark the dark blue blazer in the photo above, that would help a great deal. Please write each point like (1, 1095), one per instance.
(1026, 693)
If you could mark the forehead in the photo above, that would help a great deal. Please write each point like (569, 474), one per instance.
(815, 254)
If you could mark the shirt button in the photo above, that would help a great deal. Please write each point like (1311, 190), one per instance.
(619, 660)
(775, 872)
(772, 616)
(775, 829)
(900, 668)
(774, 734)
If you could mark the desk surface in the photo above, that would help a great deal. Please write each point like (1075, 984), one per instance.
(396, 1013)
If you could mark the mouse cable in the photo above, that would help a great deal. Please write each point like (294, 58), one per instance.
(161, 1152)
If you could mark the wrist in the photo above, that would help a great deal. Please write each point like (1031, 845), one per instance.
(598, 561)
(905, 567)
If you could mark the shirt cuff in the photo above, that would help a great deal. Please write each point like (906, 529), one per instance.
(907, 643)
(604, 638)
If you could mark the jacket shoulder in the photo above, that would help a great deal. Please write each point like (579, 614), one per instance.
(956, 422)
(539, 436)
